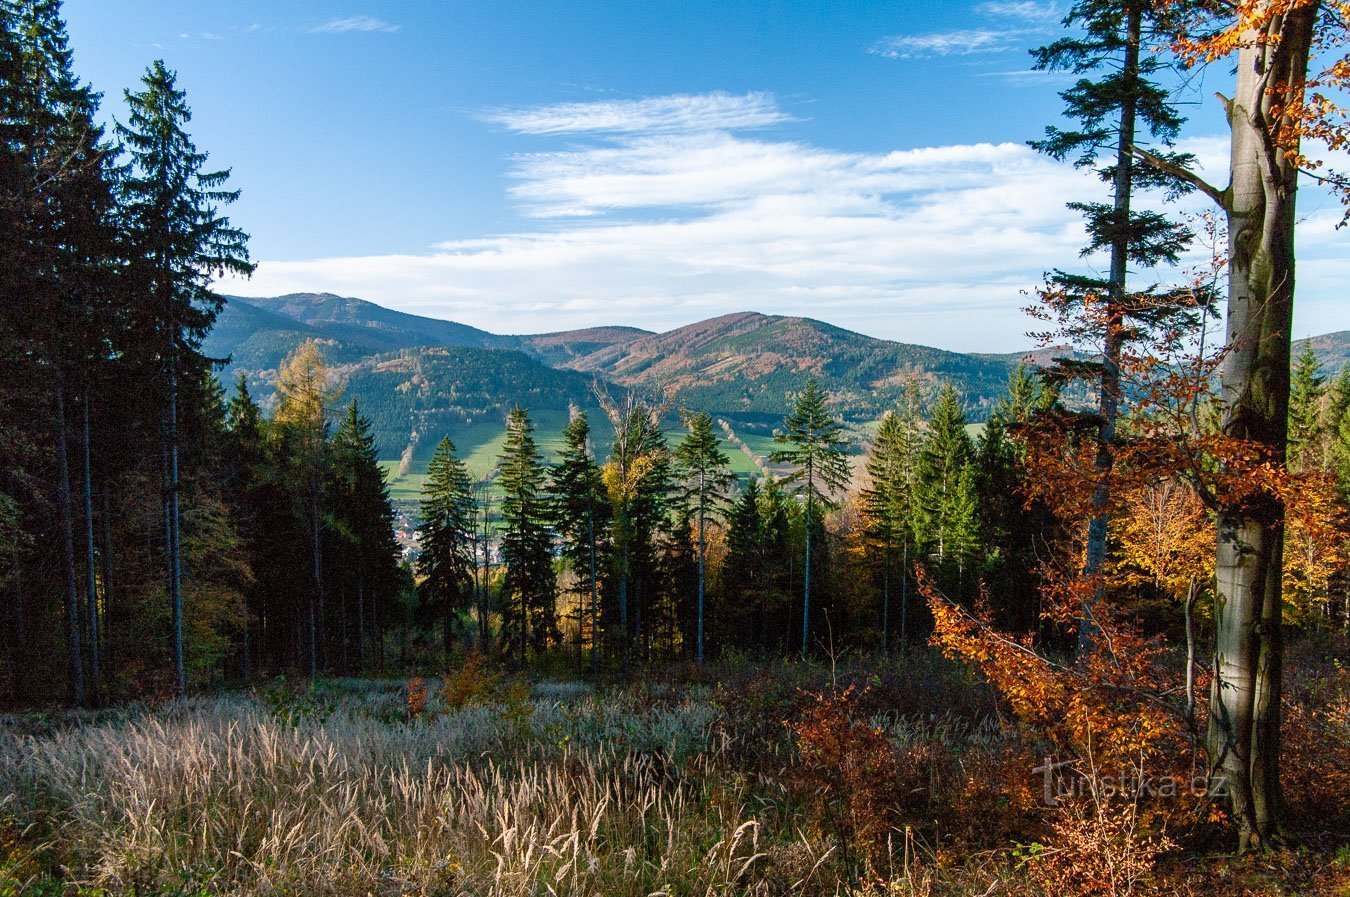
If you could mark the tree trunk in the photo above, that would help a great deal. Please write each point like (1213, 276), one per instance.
(106, 557)
(806, 577)
(175, 569)
(316, 597)
(701, 548)
(1108, 399)
(66, 515)
(886, 600)
(595, 594)
(1244, 725)
(90, 558)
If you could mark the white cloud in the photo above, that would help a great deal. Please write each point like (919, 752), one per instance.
(1022, 10)
(966, 42)
(346, 24)
(682, 219)
(666, 226)
(678, 112)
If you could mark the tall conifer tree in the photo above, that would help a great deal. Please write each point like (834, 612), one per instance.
(529, 587)
(1118, 104)
(580, 517)
(447, 562)
(815, 451)
(179, 243)
(706, 473)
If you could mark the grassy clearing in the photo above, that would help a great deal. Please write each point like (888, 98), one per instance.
(692, 786)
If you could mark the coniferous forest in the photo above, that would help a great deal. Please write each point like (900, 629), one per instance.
(1087, 636)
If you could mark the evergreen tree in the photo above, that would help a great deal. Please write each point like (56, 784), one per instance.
(447, 561)
(1307, 389)
(364, 520)
(637, 479)
(246, 472)
(580, 517)
(887, 508)
(947, 526)
(1009, 530)
(706, 473)
(529, 586)
(58, 252)
(179, 244)
(820, 468)
(1116, 113)
(304, 398)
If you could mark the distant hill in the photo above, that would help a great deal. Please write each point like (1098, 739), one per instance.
(1332, 349)
(745, 365)
(419, 378)
(415, 396)
(256, 333)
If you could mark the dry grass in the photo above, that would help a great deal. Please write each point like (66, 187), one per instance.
(225, 796)
(692, 789)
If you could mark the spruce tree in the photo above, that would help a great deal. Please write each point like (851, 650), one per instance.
(179, 244)
(820, 468)
(1116, 115)
(447, 561)
(304, 397)
(947, 526)
(706, 474)
(60, 261)
(364, 518)
(887, 507)
(1307, 389)
(529, 586)
(637, 478)
(580, 517)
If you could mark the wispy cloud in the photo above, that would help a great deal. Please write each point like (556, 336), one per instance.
(1014, 21)
(665, 226)
(676, 112)
(1022, 10)
(965, 42)
(347, 24)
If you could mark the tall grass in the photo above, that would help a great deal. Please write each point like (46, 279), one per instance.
(586, 797)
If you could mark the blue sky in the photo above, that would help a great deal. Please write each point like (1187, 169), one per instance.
(527, 167)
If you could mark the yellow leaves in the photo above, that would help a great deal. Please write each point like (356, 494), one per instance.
(1167, 536)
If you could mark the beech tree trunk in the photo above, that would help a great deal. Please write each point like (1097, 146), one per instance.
(1244, 724)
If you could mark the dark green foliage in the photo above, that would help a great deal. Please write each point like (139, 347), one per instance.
(581, 516)
(638, 481)
(447, 563)
(946, 521)
(528, 589)
(815, 452)
(363, 557)
(888, 506)
(706, 476)
(1307, 389)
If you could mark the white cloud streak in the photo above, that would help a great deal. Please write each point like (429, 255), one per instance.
(966, 42)
(676, 113)
(347, 24)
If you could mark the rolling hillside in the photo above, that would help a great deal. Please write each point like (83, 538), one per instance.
(745, 365)
(419, 378)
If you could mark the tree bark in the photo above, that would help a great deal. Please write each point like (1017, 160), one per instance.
(1244, 725)
(1108, 400)
(67, 524)
(90, 560)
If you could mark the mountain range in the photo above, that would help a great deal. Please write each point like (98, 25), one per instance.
(418, 378)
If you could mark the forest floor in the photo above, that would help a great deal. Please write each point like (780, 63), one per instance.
(895, 777)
